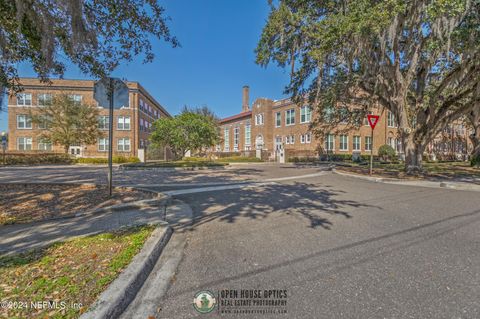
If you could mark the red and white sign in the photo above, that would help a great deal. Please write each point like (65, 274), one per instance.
(373, 120)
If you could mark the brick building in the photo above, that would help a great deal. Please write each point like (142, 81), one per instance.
(269, 124)
(132, 123)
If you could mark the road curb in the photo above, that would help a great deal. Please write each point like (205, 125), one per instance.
(120, 293)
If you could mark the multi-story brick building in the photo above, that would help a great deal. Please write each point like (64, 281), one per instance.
(271, 124)
(132, 123)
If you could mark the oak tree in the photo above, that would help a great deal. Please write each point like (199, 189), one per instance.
(419, 59)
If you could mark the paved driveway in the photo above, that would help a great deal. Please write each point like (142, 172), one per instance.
(98, 174)
(341, 247)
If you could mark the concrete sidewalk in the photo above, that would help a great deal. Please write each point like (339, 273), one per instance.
(20, 237)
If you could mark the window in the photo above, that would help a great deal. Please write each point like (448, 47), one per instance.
(302, 139)
(103, 122)
(308, 138)
(44, 121)
(356, 143)
(278, 119)
(103, 144)
(305, 114)
(226, 137)
(248, 134)
(24, 99)
(44, 145)
(290, 117)
(76, 98)
(259, 119)
(391, 142)
(44, 99)
(24, 143)
(290, 139)
(343, 142)
(368, 143)
(123, 123)
(123, 144)
(236, 138)
(24, 122)
(330, 142)
(390, 119)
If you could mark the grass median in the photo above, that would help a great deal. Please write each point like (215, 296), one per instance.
(443, 170)
(63, 280)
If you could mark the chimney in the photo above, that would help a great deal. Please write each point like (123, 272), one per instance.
(245, 99)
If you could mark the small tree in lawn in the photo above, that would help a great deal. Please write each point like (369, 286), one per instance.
(184, 132)
(67, 122)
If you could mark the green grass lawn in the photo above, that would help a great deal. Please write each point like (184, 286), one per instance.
(440, 170)
(71, 273)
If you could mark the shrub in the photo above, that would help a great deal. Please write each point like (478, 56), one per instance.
(233, 159)
(103, 160)
(39, 158)
(475, 161)
(386, 152)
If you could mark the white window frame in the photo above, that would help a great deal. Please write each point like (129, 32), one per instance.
(76, 98)
(308, 138)
(290, 117)
(123, 144)
(123, 122)
(278, 119)
(226, 139)
(330, 139)
(302, 139)
(343, 143)
(248, 134)
(50, 99)
(359, 139)
(105, 120)
(305, 114)
(259, 119)
(390, 119)
(25, 122)
(44, 145)
(42, 125)
(103, 144)
(368, 143)
(25, 140)
(23, 97)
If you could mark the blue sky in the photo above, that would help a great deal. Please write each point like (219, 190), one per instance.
(218, 39)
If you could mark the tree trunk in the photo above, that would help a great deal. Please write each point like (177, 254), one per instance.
(65, 148)
(413, 156)
(475, 138)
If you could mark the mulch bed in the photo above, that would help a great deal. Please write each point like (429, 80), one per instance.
(23, 203)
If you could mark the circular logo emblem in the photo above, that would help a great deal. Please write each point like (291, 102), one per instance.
(204, 301)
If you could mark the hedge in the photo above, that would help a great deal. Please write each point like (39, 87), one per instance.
(37, 158)
(103, 160)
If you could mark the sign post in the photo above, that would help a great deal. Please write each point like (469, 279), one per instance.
(372, 120)
(114, 93)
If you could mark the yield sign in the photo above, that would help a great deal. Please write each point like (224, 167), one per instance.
(373, 120)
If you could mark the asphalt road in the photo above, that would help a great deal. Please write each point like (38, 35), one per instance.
(340, 247)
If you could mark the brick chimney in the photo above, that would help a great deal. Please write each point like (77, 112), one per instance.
(245, 99)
